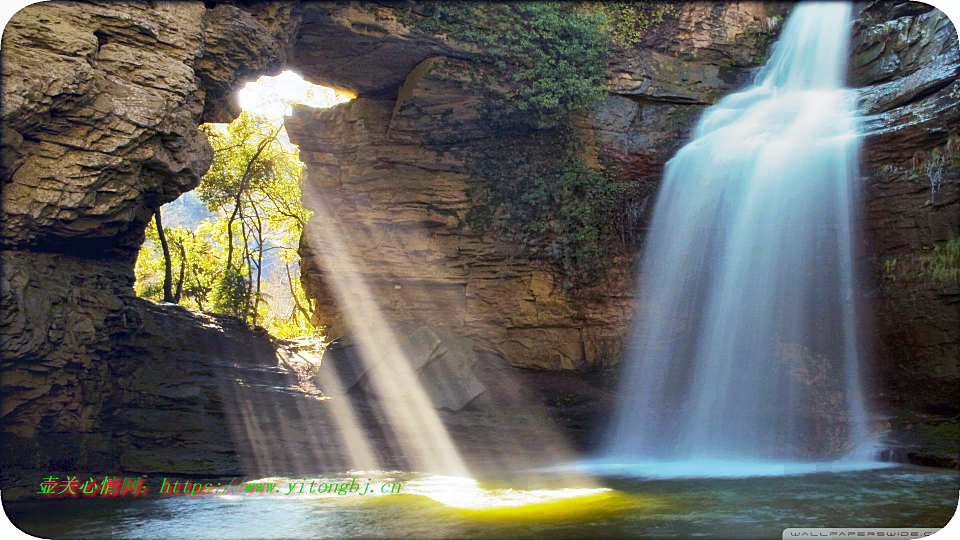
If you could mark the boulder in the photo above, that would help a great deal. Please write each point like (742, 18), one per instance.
(441, 360)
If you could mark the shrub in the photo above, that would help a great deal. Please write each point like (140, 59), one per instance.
(628, 21)
(545, 60)
(942, 263)
(230, 294)
(550, 57)
(542, 194)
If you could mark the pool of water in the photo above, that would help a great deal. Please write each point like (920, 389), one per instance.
(444, 507)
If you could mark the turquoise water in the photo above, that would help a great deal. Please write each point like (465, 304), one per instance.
(444, 507)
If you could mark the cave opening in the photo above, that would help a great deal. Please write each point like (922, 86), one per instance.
(247, 206)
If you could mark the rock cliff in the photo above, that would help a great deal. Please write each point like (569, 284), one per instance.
(906, 61)
(390, 169)
(101, 104)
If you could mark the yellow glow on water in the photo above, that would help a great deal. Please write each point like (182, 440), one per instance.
(462, 498)
(556, 506)
(465, 498)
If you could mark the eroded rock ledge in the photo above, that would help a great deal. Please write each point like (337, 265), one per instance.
(101, 104)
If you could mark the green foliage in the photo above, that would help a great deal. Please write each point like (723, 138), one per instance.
(252, 190)
(937, 263)
(567, 400)
(890, 268)
(538, 63)
(549, 56)
(149, 267)
(246, 155)
(295, 321)
(230, 294)
(541, 192)
(942, 263)
(201, 256)
(628, 21)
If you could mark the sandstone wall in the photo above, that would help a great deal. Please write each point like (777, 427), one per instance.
(100, 108)
(906, 58)
(386, 173)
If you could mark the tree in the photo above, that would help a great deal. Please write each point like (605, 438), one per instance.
(225, 262)
(167, 274)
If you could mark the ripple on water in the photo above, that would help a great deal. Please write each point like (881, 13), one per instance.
(441, 507)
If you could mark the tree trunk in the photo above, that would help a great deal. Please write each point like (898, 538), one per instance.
(167, 270)
(293, 295)
(233, 216)
(200, 289)
(259, 261)
(242, 186)
(183, 267)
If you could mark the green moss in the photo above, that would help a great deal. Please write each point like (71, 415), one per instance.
(548, 56)
(629, 21)
(938, 263)
(942, 263)
(890, 268)
(542, 194)
(566, 400)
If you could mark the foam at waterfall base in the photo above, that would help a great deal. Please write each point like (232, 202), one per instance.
(712, 468)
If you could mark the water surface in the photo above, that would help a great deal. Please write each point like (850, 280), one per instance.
(445, 507)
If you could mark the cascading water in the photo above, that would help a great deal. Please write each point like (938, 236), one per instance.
(745, 351)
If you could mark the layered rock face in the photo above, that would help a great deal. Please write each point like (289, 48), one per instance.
(101, 104)
(906, 59)
(388, 177)
(100, 110)
(104, 381)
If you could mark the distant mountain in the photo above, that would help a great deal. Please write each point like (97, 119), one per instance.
(187, 211)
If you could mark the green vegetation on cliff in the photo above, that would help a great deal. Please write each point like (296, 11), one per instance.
(942, 263)
(549, 57)
(628, 21)
(938, 263)
(540, 63)
(543, 195)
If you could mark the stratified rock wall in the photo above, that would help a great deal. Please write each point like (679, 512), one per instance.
(100, 107)
(101, 104)
(906, 60)
(95, 379)
(100, 112)
(388, 171)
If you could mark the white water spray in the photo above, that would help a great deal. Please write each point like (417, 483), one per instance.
(746, 347)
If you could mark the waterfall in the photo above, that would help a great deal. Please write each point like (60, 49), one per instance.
(745, 347)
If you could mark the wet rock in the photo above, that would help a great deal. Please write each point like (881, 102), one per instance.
(891, 42)
(906, 61)
(441, 361)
